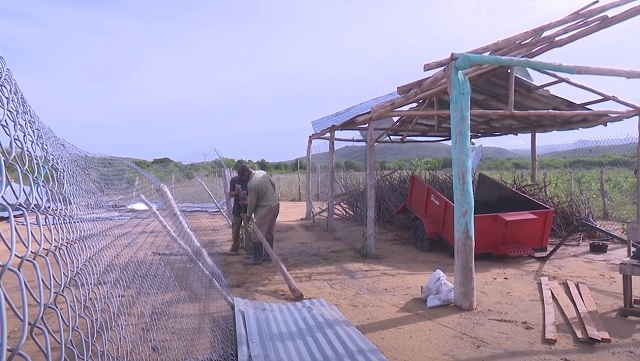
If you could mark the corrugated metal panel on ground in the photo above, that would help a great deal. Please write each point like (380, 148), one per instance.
(342, 116)
(305, 331)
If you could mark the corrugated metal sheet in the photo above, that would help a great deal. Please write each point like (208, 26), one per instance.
(342, 116)
(307, 330)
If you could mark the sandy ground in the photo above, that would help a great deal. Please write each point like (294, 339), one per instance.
(381, 297)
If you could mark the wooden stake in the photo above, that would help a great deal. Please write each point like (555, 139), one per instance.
(370, 241)
(590, 327)
(534, 158)
(331, 183)
(226, 218)
(569, 311)
(549, 312)
(293, 288)
(299, 181)
(603, 194)
(590, 304)
(307, 186)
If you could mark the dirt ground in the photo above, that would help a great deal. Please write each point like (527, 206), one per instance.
(381, 297)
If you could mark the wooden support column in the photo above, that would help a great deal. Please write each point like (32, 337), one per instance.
(331, 181)
(638, 184)
(370, 242)
(464, 263)
(534, 159)
(307, 186)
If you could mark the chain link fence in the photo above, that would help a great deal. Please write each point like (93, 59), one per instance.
(103, 258)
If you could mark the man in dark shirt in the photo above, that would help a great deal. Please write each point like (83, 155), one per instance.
(238, 190)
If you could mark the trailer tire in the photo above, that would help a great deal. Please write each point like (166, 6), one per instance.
(418, 234)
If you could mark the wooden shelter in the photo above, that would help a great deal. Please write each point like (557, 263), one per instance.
(503, 99)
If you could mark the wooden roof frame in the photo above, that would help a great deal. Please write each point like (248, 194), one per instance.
(502, 102)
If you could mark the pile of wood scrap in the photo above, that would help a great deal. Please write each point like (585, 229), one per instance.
(578, 307)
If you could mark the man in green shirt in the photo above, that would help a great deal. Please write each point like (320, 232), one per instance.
(263, 203)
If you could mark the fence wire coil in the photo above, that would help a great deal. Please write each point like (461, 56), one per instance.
(87, 269)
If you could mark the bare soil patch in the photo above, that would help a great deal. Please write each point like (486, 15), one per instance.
(382, 296)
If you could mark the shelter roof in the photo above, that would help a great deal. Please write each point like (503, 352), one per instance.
(421, 108)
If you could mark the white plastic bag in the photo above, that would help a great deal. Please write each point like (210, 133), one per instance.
(443, 295)
(433, 283)
(437, 291)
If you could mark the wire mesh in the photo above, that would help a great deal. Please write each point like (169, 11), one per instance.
(599, 174)
(88, 269)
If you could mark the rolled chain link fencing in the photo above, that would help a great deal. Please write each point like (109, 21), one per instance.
(102, 259)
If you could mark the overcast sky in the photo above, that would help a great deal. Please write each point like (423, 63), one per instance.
(150, 79)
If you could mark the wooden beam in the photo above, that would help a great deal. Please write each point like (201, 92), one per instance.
(506, 113)
(467, 60)
(594, 101)
(616, 19)
(331, 185)
(370, 241)
(307, 187)
(550, 335)
(591, 329)
(586, 88)
(576, 16)
(464, 250)
(590, 304)
(546, 85)
(569, 311)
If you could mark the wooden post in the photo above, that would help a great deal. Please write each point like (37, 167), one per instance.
(215, 201)
(603, 194)
(571, 186)
(512, 89)
(638, 169)
(545, 185)
(299, 181)
(331, 181)
(370, 241)
(307, 186)
(464, 262)
(318, 182)
(534, 159)
(293, 288)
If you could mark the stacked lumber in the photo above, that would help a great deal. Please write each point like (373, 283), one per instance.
(578, 307)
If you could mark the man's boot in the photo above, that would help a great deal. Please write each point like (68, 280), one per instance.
(266, 257)
(258, 250)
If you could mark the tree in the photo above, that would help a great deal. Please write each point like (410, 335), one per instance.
(263, 165)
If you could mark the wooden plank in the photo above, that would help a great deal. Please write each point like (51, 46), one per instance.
(549, 312)
(569, 311)
(592, 331)
(593, 312)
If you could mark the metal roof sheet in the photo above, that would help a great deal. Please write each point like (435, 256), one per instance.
(342, 116)
(306, 330)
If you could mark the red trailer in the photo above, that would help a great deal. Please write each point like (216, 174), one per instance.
(506, 222)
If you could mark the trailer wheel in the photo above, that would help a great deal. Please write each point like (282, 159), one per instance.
(418, 234)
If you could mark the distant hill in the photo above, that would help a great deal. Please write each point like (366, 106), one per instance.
(594, 151)
(391, 152)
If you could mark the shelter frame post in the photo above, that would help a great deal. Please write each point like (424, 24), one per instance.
(331, 182)
(307, 187)
(460, 110)
(370, 241)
